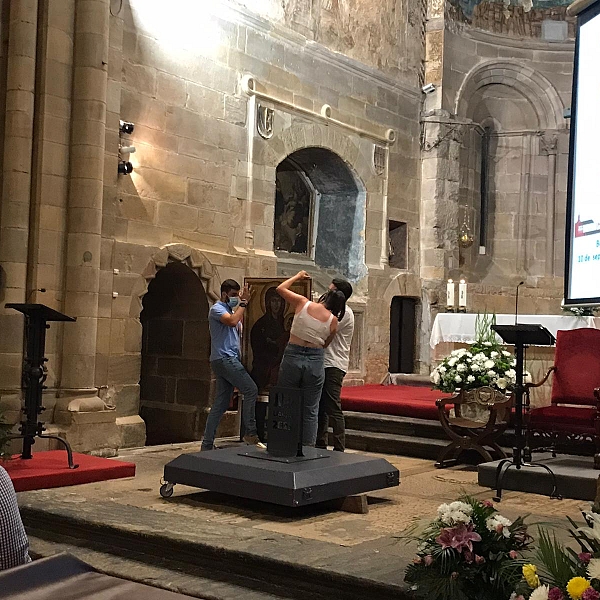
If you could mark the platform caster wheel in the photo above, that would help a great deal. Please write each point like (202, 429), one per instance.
(166, 490)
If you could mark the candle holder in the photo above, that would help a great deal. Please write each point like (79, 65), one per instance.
(450, 309)
(461, 309)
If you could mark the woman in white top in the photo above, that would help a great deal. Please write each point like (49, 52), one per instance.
(315, 325)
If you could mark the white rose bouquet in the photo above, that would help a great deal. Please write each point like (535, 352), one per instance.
(485, 363)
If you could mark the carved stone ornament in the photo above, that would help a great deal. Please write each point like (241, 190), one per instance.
(548, 144)
(379, 154)
(264, 121)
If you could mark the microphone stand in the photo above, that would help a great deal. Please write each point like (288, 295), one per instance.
(517, 302)
(521, 335)
(521, 453)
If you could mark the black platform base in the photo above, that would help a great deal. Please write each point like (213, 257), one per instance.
(246, 472)
(575, 476)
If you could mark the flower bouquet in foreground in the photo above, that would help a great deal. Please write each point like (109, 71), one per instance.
(561, 573)
(469, 552)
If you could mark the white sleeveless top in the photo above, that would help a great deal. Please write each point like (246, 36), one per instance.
(309, 329)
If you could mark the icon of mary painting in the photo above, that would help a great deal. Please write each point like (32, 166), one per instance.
(268, 339)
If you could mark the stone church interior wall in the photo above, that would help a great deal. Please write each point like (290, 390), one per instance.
(385, 35)
(527, 166)
(192, 182)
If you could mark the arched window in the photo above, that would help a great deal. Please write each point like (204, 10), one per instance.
(320, 212)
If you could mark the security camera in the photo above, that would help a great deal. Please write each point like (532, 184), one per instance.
(125, 167)
(429, 88)
(127, 149)
(126, 127)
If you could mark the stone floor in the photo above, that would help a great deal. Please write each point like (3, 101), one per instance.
(370, 546)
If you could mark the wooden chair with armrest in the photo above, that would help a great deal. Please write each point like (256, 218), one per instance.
(478, 418)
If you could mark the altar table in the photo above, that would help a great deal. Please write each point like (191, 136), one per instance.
(460, 327)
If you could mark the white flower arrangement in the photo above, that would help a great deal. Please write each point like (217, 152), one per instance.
(485, 363)
(499, 524)
(455, 513)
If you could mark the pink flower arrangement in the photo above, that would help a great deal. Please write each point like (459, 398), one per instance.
(469, 551)
(460, 537)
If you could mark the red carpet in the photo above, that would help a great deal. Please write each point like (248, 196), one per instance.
(400, 400)
(51, 469)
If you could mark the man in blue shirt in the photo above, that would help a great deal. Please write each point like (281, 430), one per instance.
(224, 320)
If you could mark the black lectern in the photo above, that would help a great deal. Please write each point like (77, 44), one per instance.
(521, 335)
(33, 376)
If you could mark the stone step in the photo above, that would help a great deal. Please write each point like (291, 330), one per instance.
(125, 541)
(422, 428)
(394, 424)
(409, 379)
(163, 573)
(391, 443)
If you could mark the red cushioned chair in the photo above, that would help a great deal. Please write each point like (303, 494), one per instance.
(574, 412)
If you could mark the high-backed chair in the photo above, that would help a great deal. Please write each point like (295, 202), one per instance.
(574, 412)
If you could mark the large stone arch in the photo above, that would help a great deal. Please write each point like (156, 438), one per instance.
(534, 86)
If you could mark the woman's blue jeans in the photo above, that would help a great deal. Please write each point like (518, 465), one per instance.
(302, 368)
(230, 373)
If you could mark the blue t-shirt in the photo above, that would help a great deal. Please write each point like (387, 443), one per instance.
(224, 340)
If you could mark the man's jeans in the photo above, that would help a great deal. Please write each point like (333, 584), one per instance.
(302, 368)
(330, 410)
(230, 373)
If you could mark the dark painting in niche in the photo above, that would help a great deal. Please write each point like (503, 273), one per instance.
(292, 212)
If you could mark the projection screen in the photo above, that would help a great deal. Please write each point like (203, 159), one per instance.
(582, 260)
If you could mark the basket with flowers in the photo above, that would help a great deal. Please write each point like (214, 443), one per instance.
(469, 552)
(484, 363)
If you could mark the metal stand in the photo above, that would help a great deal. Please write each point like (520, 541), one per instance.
(521, 335)
(34, 376)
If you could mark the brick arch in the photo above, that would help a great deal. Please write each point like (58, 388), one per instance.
(531, 84)
(182, 253)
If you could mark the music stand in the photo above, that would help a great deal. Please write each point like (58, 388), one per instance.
(33, 377)
(521, 335)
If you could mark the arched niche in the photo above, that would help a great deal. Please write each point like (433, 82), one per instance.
(199, 284)
(320, 211)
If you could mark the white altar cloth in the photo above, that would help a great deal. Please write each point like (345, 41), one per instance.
(460, 327)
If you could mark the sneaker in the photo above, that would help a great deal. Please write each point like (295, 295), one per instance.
(206, 449)
(254, 441)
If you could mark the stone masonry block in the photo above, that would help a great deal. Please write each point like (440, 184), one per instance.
(140, 78)
(177, 216)
(208, 196)
(171, 89)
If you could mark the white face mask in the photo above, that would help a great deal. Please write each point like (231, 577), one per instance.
(233, 301)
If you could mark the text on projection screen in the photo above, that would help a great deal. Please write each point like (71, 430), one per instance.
(585, 226)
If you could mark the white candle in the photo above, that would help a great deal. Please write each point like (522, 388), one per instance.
(462, 293)
(450, 293)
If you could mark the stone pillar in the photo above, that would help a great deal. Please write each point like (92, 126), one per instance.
(16, 188)
(549, 144)
(80, 408)
(440, 183)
